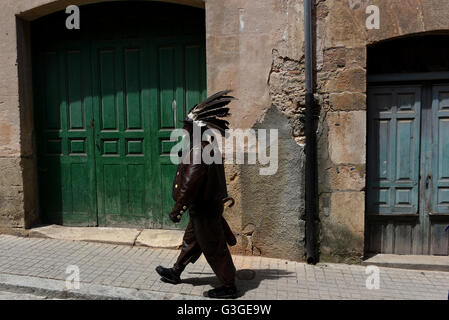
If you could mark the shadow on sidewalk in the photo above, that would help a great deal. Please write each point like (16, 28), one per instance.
(244, 282)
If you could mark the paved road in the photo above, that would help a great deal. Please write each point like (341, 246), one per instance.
(116, 266)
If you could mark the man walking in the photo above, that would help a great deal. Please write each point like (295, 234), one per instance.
(201, 188)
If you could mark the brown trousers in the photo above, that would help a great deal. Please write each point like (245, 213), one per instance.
(205, 234)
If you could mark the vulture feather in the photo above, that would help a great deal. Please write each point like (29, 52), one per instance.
(210, 110)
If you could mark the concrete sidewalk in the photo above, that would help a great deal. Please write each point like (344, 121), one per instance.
(109, 271)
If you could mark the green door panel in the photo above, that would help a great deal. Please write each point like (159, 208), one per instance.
(180, 72)
(65, 138)
(122, 128)
(104, 99)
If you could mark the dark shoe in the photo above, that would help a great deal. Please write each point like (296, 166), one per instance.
(168, 275)
(223, 293)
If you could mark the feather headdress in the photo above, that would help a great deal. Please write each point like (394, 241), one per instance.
(209, 112)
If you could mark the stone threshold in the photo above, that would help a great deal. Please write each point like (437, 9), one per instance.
(415, 262)
(153, 238)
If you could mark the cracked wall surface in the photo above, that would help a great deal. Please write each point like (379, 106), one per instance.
(255, 47)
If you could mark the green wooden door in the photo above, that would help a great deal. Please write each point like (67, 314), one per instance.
(181, 76)
(122, 131)
(65, 141)
(407, 169)
(107, 100)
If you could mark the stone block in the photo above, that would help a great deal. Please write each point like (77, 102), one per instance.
(154, 238)
(334, 58)
(347, 101)
(345, 178)
(351, 79)
(11, 172)
(403, 17)
(356, 57)
(345, 25)
(126, 236)
(11, 207)
(347, 137)
(434, 13)
(348, 210)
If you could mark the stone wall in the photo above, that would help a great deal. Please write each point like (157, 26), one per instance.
(11, 180)
(256, 48)
(342, 39)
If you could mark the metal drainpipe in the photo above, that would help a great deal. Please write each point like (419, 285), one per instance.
(310, 148)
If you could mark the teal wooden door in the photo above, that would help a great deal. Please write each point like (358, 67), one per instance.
(437, 178)
(407, 173)
(107, 99)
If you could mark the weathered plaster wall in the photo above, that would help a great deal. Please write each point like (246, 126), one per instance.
(255, 47)
(272, 205)
(341, 90)
(244, 38)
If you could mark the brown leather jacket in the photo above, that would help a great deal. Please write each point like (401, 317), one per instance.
(199, 185)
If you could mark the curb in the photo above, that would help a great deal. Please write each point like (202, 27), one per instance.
(409, 262)
(57, 289)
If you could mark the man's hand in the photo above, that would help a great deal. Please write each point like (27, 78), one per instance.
(175, 217)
